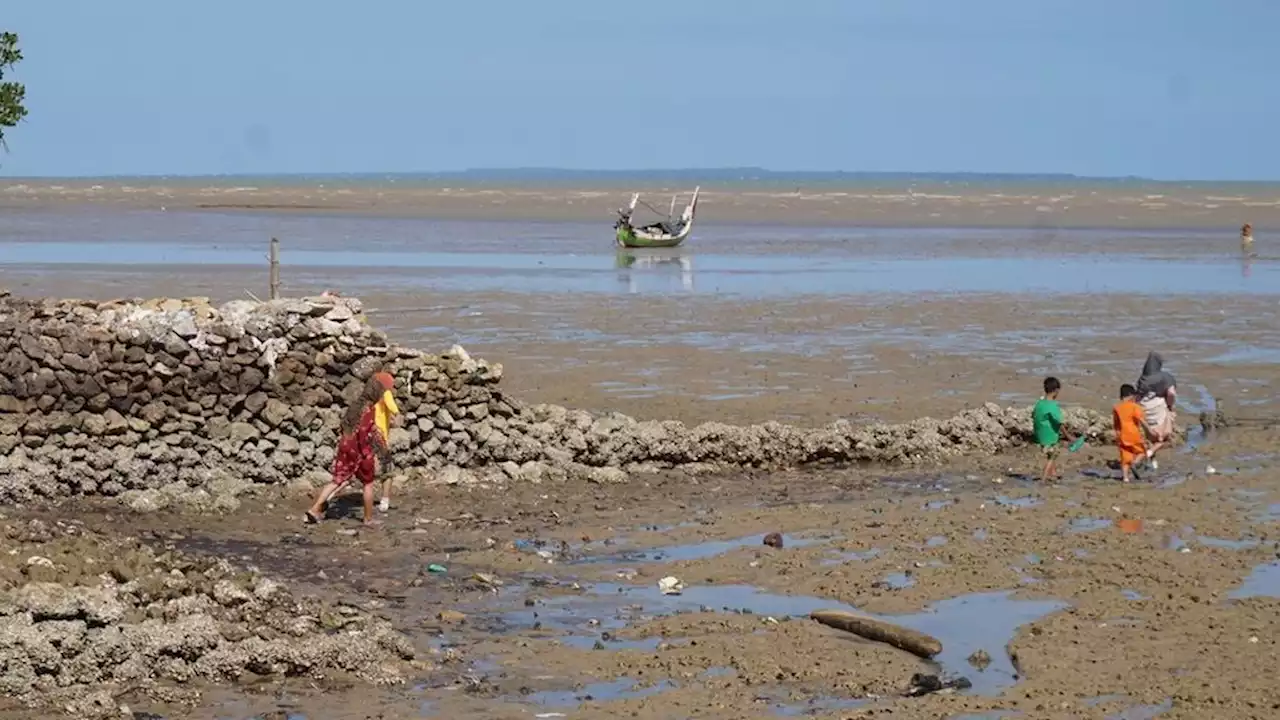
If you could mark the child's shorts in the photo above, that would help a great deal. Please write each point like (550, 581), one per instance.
(1130, 455)
(1050, 452)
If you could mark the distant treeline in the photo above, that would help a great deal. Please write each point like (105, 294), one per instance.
(715, 177)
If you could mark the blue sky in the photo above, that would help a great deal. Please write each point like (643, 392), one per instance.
(1171, 89)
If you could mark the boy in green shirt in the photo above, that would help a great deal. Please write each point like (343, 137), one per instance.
(1046, 422)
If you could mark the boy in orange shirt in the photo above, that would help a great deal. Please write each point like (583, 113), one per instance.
(1130, 425)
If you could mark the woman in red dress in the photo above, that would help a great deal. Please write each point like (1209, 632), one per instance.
(359, 448)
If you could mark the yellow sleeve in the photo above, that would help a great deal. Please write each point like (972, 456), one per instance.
(389, 401)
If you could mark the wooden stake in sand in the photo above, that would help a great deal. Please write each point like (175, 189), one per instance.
(275, 270)
(917, 643)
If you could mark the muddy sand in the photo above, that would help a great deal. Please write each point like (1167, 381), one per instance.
(1044, 597)
(1052, 601)
(915, 204)
(550, 606)
(802, 360)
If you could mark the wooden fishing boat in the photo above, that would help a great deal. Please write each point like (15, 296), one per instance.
(666, 233)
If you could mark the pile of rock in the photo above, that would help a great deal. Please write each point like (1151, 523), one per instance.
(82, 617)
(103, 398)
(177, 401)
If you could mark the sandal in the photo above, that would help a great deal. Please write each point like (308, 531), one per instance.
(309, 519)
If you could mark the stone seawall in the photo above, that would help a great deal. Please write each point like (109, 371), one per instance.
(177, 399)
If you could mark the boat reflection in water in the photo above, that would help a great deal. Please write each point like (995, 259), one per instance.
(654, 263)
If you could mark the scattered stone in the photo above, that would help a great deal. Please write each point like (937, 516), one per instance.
(107, 617)
(145, 501)
(487, 580)
(670, 585)
(924, 684)
(773, 540)
(980, 659)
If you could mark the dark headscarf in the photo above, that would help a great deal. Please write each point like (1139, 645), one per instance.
(1154, 380)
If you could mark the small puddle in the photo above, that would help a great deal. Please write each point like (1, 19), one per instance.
(897, 581)
(1241, 544)
(815, 706)
(1132, 595)
(1088, 524)
(1020, 502)
(1104, 699)
(699, 551)
(1196, 438)
(1271, 514)
(852, 555)
(1143, 712)
(1023, 577)
(1248, 354)
(936, 541)
(1263, 581)
(965, 624)
(940, 504)
(608, 642)
(620, 689)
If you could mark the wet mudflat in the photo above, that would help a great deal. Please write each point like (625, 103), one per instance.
(803, 360)
(550, 605)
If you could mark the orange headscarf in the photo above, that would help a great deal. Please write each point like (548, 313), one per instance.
(385, 379)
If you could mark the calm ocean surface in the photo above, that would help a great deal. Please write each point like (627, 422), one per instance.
(571, 257)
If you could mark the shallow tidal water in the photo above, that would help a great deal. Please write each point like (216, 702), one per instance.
(574, 257)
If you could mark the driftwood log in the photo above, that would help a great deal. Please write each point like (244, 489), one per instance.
(917, 643)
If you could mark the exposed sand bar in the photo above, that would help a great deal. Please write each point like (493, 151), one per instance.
(805, 360)
(1063, 205)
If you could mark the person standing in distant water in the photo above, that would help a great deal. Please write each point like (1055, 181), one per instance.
(1246, 239)
(1157, 393)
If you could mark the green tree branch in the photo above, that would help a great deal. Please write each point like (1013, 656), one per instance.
(12, 94)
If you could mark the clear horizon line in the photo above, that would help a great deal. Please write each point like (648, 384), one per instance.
(551, 172)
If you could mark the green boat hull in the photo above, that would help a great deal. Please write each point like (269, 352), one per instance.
(627, 238)
(655, 235)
